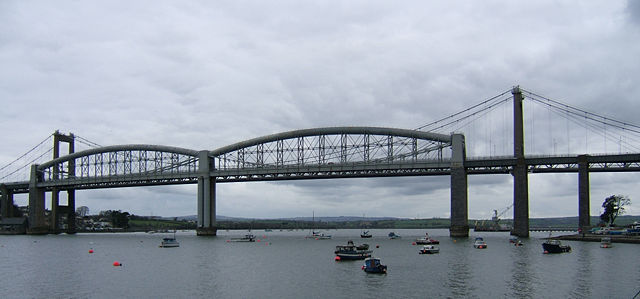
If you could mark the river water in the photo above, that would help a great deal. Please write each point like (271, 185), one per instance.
(286, 265)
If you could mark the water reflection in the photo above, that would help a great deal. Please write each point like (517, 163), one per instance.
(522, 276)
(583, 272)
(459, 271)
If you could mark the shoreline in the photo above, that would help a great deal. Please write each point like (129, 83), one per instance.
(597, 238)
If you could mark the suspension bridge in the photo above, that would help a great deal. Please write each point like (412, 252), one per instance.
(335, 152)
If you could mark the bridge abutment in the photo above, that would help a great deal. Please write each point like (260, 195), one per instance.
(459, 201)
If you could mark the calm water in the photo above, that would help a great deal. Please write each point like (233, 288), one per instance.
(286, 265)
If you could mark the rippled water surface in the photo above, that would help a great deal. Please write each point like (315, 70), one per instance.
(286, 265)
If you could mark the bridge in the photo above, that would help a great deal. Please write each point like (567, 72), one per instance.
(317, 153)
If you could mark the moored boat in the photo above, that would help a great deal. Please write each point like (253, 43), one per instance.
(373, 265)
(393, 235)
(249, 237)
(554, 246)
(426, 240)
(429, 249)
(169, 242)
(365, 234)
(605, 243)
(352, 252)
(479, 243)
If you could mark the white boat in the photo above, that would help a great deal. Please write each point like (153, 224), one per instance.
(479, 243)
(314, 234)
(249, 237)
(393, 235)
(429, 249)
(605, 243)
(169, 242)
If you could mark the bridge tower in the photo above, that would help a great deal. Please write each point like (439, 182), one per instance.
(206, 196)
(520, 175)
(6, 202)
(459, 204)
(57, 211)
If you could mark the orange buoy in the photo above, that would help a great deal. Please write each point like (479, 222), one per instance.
(337, 258)
(90, 250)
(117, 264)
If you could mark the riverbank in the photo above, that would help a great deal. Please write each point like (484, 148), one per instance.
(597, 238)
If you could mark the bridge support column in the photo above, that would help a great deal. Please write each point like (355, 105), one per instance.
(584, 217)
(206, 197)
(520, 175)
(56, 209)
(37, 223)
(6, 204)
(459, 211)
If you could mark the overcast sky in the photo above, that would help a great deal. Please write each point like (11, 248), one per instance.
(203, 74)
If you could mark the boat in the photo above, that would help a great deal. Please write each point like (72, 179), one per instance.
(314, 234)
(494, 224)
(605, 243)
(554, 246)
(249, 237)
(393, 235)
(513, 239)
(479, 243)
(426, 240)
(365, 234)
(373, 265)
(352, 252)
(518, 243)
(429, 249)
(169, 242)
(318, 236)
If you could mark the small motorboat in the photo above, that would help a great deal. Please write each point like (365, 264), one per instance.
(373, 265)
(352, 252)
(605, 242)
(249, 237)
(479, 243)
(318, 236)
(169, 242)
(518, 243)
(513, 239)
(429, 249)
(426, 240)
(365, 234)
(393, 235)
(554, 246)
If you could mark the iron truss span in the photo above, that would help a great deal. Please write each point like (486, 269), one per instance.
(331, 146)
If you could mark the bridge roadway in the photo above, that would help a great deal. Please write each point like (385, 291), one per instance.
(473, 166)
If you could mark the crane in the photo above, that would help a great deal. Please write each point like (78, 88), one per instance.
(496, 215)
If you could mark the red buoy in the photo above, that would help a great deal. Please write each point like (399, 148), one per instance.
(414, 243)
(377, 246)
(337, 258)
(546, 252)
(116, 264)
(90, 250)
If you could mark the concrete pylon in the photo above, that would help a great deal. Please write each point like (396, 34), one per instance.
(37, 223)
(206, 197)
(584, 217)
(520, 175)
(459, 210)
